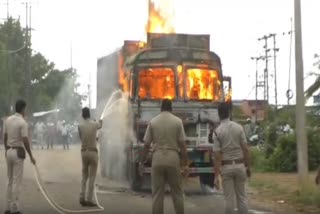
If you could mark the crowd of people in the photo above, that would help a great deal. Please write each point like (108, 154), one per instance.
(47, 134)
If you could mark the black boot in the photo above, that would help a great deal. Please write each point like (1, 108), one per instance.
(83, 202)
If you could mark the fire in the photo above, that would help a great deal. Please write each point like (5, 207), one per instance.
(201, 84)
(122, 75)
(159, 20)
(159, 83)
(156, 83)
(228, 96)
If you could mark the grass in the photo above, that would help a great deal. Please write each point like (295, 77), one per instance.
(308, 195)
(259, 162)
(277, 187)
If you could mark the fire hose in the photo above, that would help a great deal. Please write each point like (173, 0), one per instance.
(55, 205)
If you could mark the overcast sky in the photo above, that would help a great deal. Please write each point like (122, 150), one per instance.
(97, 27)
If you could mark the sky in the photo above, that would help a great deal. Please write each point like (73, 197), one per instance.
(96, 28)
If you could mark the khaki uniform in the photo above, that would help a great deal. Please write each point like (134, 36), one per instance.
(16, 128)
(228, 140)
(88, 131)
(164, 131)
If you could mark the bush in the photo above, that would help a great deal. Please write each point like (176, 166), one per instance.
(284, 157)
(271, 137)
(258, 160)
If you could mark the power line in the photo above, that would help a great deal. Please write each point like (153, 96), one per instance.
(14, 51)
(251, 90)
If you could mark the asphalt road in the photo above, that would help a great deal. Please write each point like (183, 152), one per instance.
(61, 173)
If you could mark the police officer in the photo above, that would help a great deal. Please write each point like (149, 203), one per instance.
(89, 153)
(166, 132)
(16, 141)
(231, 161)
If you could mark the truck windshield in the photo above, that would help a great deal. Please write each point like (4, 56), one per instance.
(156, 83)
(202, 84)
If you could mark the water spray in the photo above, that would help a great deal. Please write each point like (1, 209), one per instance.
(107, 111)
(106, 107)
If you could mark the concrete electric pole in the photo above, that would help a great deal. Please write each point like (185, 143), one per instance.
(28, 89)
(302, 147)
(258, 85)
(275, 50)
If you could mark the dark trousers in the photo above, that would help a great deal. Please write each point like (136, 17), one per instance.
(65, 141)
(50, 142)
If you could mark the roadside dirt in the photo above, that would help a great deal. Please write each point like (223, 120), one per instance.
(279, 192)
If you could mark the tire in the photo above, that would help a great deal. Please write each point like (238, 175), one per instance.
(135, 180)
(206, 183)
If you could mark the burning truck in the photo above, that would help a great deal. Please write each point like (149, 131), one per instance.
(179, 67)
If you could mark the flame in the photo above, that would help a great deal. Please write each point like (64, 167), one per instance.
(228, 96)
(159, 83)
(180, 80)
(159, 21)
(202, 84)
(123, 82)
(156, 83)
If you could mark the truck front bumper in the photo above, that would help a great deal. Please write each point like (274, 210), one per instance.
(192, 171)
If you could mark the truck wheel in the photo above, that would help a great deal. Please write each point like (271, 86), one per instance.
(206, 183)
(135, 180)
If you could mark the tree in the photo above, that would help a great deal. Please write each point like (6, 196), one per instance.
(316, 85)
(12, 56)
(50, 87)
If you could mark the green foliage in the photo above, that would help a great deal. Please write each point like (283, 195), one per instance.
(50, 87)
(237, 113)
(316, 85)
(258, 160)
(284, 157)
(280, 152)
(313, 88)
(271, 137)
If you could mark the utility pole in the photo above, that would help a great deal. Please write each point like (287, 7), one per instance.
(28, 56)
(71, 55)
(89, 90)
(275, 50)
(7, 9)
(302, 148)
(258, 84)
(289, 92)
(266, 71)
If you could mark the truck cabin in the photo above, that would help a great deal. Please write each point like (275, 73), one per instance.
(181, 68)
(177, 69)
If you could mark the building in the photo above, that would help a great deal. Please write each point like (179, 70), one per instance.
(244, 109)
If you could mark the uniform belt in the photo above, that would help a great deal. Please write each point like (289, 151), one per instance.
(166, 148)
(14, 147)
(232, 162)
(89, 150)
